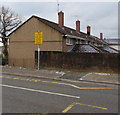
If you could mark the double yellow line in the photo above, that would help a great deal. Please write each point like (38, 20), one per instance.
(73, 104)
(67, 84)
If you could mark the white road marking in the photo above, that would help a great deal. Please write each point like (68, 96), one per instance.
(102, 74)
(85, 76)
(105, 74)
(39, 91)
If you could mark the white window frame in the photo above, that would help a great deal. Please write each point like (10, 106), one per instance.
(69, 41)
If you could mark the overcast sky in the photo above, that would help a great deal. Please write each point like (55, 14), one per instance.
(101, 16)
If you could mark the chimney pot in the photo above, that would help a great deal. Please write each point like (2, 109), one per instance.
(101, 36)
(88, 30)
(77, 26)
(61, 18)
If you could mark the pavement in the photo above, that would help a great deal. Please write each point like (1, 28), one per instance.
(106, 78)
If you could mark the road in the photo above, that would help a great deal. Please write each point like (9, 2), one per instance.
(35, 95)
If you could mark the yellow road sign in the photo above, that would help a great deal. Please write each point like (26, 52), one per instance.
(38, 38)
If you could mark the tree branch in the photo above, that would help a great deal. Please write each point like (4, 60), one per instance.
(8, 22)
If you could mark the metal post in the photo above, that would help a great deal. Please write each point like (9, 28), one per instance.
(38, 57)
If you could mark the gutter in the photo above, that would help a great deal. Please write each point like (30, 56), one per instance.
(71, 36)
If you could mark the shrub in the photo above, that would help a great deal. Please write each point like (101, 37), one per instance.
(3, 59)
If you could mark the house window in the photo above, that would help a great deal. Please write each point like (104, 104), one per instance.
(69, 41)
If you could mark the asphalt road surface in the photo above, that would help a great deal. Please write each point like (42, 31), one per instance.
(34, 95)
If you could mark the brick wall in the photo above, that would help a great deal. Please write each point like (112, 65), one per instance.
(104, 62)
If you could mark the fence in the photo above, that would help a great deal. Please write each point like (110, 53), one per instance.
(107, 62)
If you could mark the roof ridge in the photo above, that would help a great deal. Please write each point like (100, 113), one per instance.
(96, 48)
(44, 19)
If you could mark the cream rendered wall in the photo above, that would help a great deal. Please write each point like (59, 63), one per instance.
(22, 48)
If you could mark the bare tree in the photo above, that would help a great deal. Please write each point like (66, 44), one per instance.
(8, 21)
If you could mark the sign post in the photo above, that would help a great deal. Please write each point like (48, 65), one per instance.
(38, 41)
(38, 57)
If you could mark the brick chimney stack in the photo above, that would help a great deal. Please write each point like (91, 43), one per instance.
(88, 30)
(61, 18)
(77, 26)
(101, 36)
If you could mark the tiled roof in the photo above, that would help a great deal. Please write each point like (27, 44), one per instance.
(87, 48)
(65, 30)
(84, 48)
(113, 41)
(108, 49)
(69, 31)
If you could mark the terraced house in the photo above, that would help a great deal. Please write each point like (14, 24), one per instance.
(56, 37)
